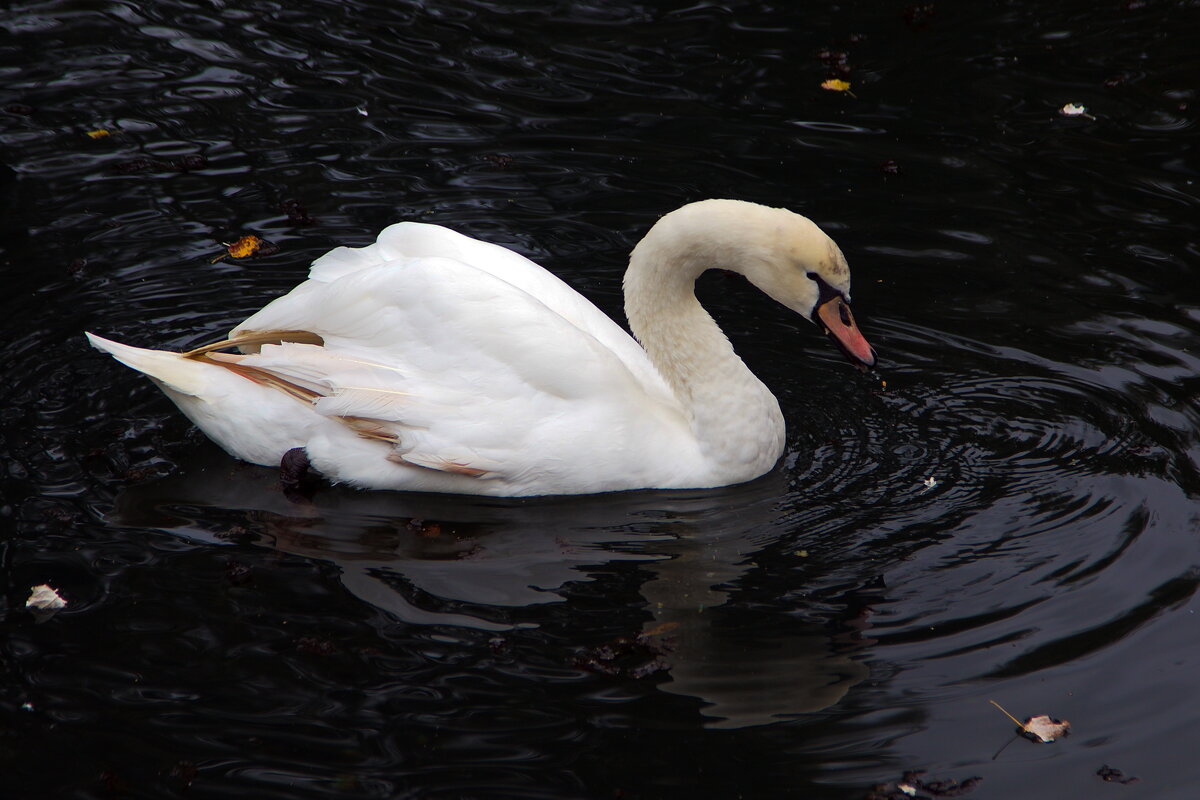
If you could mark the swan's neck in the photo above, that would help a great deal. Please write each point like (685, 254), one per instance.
(735, 418)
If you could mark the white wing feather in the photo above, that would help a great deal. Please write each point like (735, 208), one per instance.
(464, 367)
(402, 244)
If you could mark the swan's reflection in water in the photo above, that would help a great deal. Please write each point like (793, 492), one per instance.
(394, 550)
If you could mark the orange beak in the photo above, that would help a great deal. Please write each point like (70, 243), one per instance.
(835, 317)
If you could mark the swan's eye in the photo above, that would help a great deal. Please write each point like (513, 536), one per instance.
(825, 292)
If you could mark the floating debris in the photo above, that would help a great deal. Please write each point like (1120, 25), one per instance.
(1042, 728)
(99, 133)
(247, 246)
(1113, 775)
(1072, 110)
(425, 528)
(499, 159)
(189, 162)
(314, 646)
(837, 85)
(297, 213)
(144, 164)
(913, 785)
(930, 483)
(44, 598)
(44, 602)
(836, 61)
(238, 574)
(919, 14)
(629, 656)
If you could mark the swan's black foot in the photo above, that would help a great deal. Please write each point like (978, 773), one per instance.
(296, 475)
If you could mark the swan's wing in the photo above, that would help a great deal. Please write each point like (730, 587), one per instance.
(403, 242)
(456, 368)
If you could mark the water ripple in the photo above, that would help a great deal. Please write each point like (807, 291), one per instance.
(1007, 505)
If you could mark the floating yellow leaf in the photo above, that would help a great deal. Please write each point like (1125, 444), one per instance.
(99, 133)
(248, 245)
(245, 246)
(836, 85)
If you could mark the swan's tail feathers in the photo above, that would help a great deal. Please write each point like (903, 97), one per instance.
(182, 375)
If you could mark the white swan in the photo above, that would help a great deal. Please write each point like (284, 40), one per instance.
(430, 361)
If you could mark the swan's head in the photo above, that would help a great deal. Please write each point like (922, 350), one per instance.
(782, 253)
(799, 266)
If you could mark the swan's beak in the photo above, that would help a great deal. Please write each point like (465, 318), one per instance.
(838, 323)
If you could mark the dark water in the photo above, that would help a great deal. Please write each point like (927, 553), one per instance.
(1028, 279)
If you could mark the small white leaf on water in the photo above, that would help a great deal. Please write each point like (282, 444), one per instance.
(930, 482)
(1046, 728)
(1072, 110)
(911, 791)
(44, 598)
(362, 111)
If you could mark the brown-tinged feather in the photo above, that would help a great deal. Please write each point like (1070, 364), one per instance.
(252, 341)
(463, 469)
(440, 465)
(370, 429)
(263, 377)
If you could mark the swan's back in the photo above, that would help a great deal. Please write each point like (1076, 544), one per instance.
(404, 242)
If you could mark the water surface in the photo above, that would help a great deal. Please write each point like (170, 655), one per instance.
(1006, 509)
